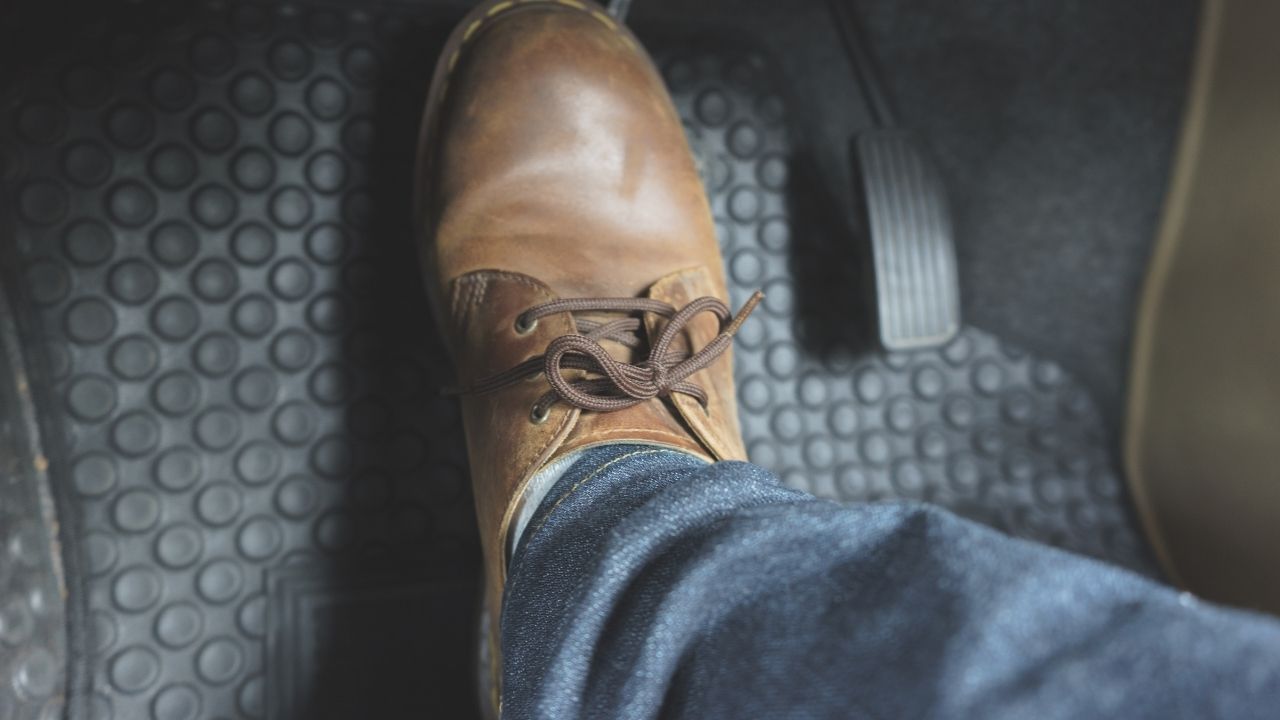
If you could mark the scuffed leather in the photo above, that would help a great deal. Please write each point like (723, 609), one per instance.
(556, 166)
(563, 157)
(504, 447)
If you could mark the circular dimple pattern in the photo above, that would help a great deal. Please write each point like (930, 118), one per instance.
(131, 204)
(89, 321)
(91, 398)
(179, 546)
(712, 107)
(173, 243)
(260, 538)
(290, 280)
(253, 169)
(102, 631)
(744, 204)
(177, 469)
(238, 353)
(746, 267)
(132, 282)
(35, 677)
(88, 242)
(213, 130)
(743, 140)
(253, 316)
(331, 457)
(252, 617)
(214, 281)
(136, 511)
(360, 65)
(101, 552)
(176, 393)
(175, 318)
(257, 463)
(134, 357)
(327, 314)
(291, 207)
(772, 172)
(217, 428)
(135, 433)
(213, 206)
(253, 244)
(326, 172)
(176, 702)
(94, 474)
(172, 167)
(255, 388)
(774, 234)
(220, 581)
(326, 243)
(179, 624)
(290, 134)
(136, 589)
(934, 425)
(296, 497)
(86, 163)
(219, 661)
(289, 60)
(329, 384)
(134, 670)
(252, 94)
(292, 350)
(327, 99)
(218, 503)
(294, 423)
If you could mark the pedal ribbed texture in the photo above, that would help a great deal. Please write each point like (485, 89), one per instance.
(917, 289)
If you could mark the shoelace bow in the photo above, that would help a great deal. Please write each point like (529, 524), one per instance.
(618, 385)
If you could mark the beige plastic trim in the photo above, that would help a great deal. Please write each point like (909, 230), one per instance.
(1168, 239)
(1202, 435)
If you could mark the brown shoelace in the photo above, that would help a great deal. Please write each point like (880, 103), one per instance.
(617, 385)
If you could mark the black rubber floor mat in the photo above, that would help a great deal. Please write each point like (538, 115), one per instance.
(979, 427)
(213, 206)
(33, 589)
(213, 235)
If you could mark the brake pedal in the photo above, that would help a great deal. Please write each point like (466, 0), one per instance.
(912, 243)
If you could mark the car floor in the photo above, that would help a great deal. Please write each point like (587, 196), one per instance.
(262, 494)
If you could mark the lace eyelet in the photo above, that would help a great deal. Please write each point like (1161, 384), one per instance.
(539, 414)
(523, 325)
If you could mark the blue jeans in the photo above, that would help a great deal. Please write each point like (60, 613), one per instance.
(650, 584)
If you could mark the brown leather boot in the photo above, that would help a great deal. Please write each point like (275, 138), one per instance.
(569, 253)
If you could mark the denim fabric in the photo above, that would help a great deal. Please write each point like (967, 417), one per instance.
(650, 584)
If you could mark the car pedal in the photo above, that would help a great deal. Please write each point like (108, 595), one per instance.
(912, 242)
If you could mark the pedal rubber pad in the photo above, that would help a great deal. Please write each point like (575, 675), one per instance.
(913, 247)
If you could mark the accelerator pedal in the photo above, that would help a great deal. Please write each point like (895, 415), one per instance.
(912, 243)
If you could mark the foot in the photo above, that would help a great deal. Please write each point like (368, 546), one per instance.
(569, 253)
